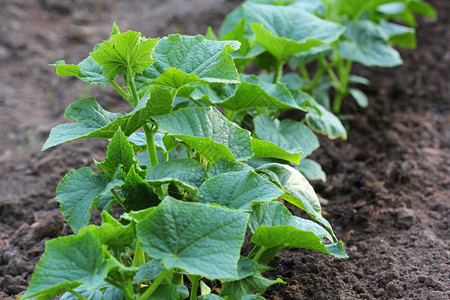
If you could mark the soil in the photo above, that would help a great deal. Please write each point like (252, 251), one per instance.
(387, 190)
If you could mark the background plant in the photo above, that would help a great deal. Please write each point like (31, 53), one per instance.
(179, 177)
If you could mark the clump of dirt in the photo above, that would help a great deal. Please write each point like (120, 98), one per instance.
(387, 188)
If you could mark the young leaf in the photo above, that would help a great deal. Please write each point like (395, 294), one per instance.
(400, 35)
(237, 190)
(137, 193)
(311, 170)
(298, 190)
(360, 97)
(187, 172)
(284, 31)
(199, 238)
(95, 122)
(123, 51)
(367, 44)
(287, 134)
(185, 59)
(67, 263)
(206, 130)
(120, 153)
(62, 69)
(78, 192)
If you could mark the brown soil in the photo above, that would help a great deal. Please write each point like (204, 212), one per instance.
(387, 193)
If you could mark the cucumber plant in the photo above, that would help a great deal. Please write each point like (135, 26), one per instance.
(177, 173)
(326, 37)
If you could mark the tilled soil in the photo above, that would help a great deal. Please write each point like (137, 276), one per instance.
(387, 190)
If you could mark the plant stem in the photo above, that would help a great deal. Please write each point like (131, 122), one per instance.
(116, 196)
(278, 71)
(151, 148)
(154, 285)
(132, 86)
(139, 255)
(345, 68)
(259, 253)
(304, 72)
(119, 89)
(78, 295)
(129, 295)
(194, 289)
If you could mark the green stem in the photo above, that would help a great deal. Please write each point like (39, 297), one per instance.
(132, 86)
(116, 196)
(278, 71)
(151, 148)
(259, 253)
(119, 89)
(178, 278)
(194, 289)
(304, 72)
(139, 255)
(78, 295)
(154, 285)
(345, 68)
(129, 294)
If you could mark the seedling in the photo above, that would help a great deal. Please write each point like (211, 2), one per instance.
(177, 171)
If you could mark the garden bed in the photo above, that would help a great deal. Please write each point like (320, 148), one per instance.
(387, 186)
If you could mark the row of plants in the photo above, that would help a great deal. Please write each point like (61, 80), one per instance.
(200, 169)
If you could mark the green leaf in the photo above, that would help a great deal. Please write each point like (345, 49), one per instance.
(122, 51)
(165, 291)
(120, 154)
(225, 166)
(359, 96)
(239, 289)
(185, 59)
(95, 122)
(62, 69)
(367, 44)
(67, 263)
(199, 238)
(148, 271)
(207, 131)
(187, 172)
(284, 31)
(290, 231)
(400, 35)
(323, 121)
(112, 233)
(298, 190)
(237, 190)
(270, 150)
(311, 170)
(90, 295)
(137, 193)
(254, 92)
(210, 297)
(78, 192)
(423, 8)
(287, 134)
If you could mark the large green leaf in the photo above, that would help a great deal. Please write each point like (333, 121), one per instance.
(207, 131)
(289, 231)
(254, 92)
(298, 190)
(67, 263)
(120, 154)
(239, 289)
(367, 44)
(237, 190)
(123, 51)
(187, 172)
(185, 59)
(95, 122)
(287, 134)
(284, 31)
(78, 192)
(199, 238)
(270, 150)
